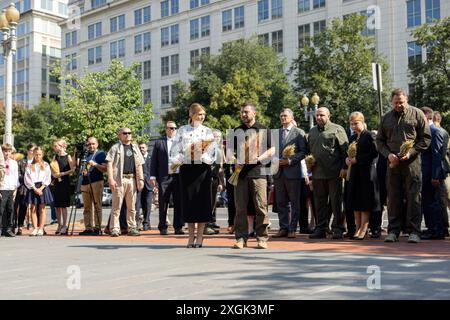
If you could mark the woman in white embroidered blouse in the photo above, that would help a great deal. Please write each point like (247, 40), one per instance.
(37, 179)
(194, 151)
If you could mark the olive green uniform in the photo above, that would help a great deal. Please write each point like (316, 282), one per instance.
(404, 182)
(328, 145)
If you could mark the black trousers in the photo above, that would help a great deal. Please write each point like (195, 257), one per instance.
(214, 187)
(144, 200)
(230, 197)
(20, 207)
(7, 210)
(170, 185)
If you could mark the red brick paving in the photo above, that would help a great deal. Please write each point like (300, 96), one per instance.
(430, 248)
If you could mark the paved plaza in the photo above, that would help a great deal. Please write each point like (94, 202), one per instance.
(160, 267)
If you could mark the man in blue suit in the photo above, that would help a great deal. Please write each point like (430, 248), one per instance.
(168, 181)
(433, 175)
(287, 178)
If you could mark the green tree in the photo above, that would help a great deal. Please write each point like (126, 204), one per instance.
(40, 124)
(243, 70)
(98, 103)
(431, 78)
(337, 65)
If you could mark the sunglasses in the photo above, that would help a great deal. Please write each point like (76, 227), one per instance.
(172, 128)
(126, 132)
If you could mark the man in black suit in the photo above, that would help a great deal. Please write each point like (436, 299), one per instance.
(168, 182)
(145, 196)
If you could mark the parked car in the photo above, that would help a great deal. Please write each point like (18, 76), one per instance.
(106, 198)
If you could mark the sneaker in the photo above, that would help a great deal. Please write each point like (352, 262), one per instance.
(40, 233)
(34, 233)
(134, 232)
(262, 244)
(413, 238)
(209, 231)
(240, 244)
(391, 237)
(115, 233)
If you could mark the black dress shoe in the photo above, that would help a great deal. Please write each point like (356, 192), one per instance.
(306, 231)
(432, 236)
(376, 234)
(146, 228)
(19, 232)
(318, 235)
(163, 232)
(179, 231)
(9, 234)
(214, 226)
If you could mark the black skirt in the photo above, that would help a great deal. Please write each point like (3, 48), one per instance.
(196, 202)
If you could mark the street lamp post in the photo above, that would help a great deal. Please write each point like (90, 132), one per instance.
(8, 23)
(310, 113)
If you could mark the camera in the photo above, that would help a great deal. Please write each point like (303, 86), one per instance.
(81, 150)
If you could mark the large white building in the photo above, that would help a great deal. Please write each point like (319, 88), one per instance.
(168, 36)
(38, 46)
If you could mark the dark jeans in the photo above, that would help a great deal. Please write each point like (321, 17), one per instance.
(144, 200)
(170, 185)
(7, 210)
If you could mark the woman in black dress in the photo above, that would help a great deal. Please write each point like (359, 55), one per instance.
(62, 166)
(362, 192)
(194, 149)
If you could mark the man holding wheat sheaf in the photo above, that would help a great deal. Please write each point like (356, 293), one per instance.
(403, 134)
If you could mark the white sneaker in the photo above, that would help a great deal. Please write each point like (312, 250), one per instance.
(34, 233)
(40, 233)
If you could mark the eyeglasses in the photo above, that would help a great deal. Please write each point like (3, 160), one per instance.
(126, 132)
(172, 128)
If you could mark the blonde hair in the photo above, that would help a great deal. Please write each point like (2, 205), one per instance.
(41, 163)
(194, 109)
(61, 142)
(356, 116)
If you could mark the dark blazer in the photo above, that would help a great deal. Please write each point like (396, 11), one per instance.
(146, 166)
(159, 163)
(296, 136)
(433, 157)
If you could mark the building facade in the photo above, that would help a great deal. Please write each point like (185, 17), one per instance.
(167, 37)
(38, 46)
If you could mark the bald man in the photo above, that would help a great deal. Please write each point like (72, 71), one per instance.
(328, 144)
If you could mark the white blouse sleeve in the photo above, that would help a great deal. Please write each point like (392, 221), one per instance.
(47, 175)
(208, 156)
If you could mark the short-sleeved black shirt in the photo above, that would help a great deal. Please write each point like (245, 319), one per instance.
(128, 159)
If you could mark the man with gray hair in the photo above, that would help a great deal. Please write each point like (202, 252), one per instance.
(328, 144)
(125, 176)
(287, 178)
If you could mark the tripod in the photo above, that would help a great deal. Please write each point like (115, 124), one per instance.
(73, 208)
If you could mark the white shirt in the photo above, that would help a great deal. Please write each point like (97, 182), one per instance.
(169, 147)
(38, 175)
(11, 180)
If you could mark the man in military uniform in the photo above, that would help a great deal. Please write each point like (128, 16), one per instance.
(328, 144)
(404, 176)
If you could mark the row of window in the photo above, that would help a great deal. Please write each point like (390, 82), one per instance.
(414, 12)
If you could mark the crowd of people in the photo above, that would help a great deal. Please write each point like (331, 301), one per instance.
(330, 181)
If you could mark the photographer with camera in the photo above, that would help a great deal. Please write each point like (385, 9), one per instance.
(93, 162)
